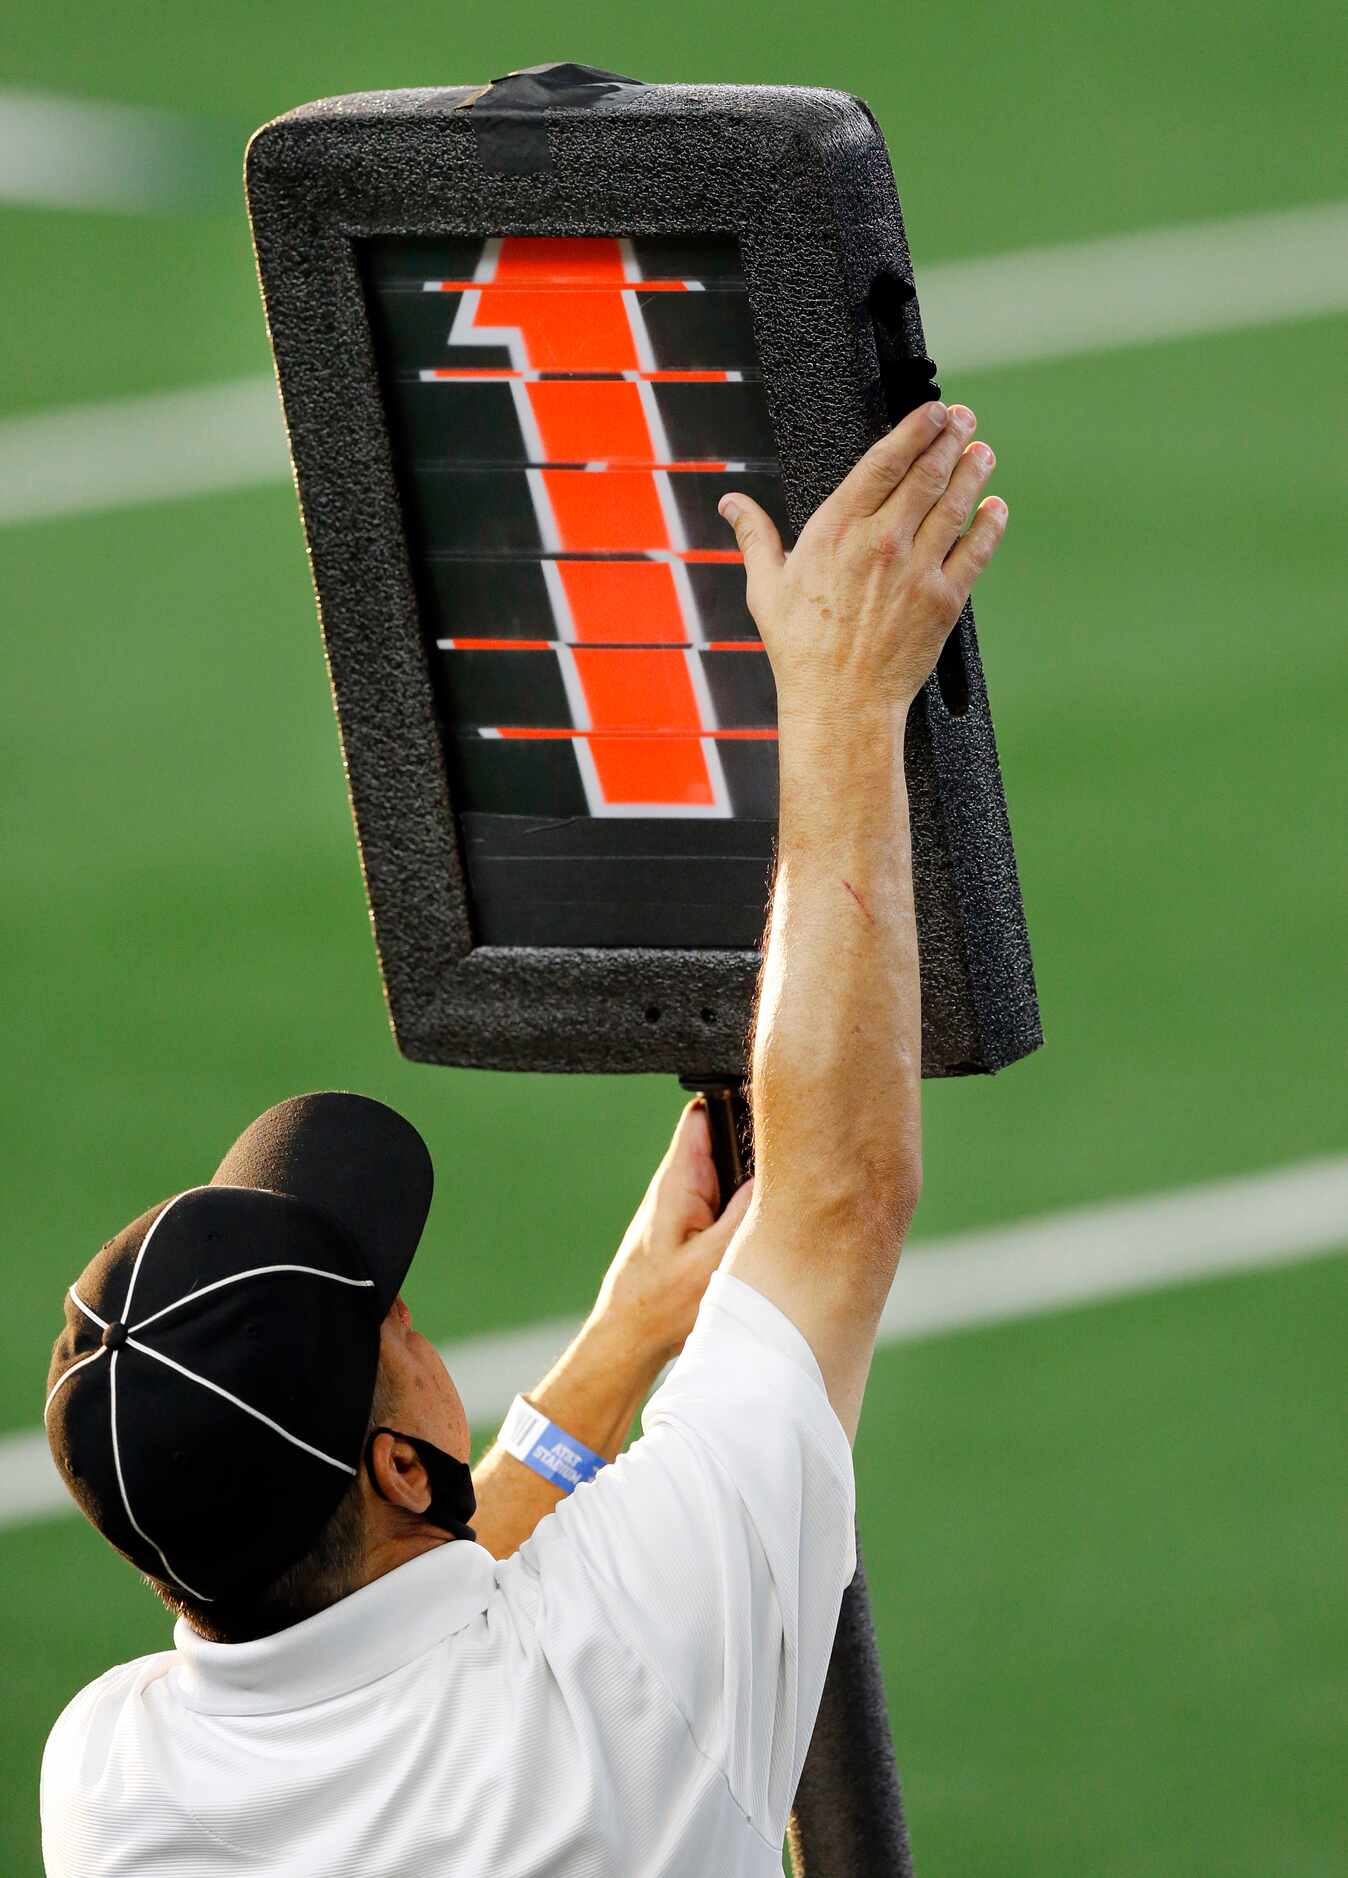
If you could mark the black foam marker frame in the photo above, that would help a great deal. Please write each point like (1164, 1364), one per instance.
(526, 336)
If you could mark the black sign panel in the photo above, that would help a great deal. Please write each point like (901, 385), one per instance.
(565, 414)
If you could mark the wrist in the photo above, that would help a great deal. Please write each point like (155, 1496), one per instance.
(596, 1387)
(842, 782)
(556, 1454)
(843, 721)
(620, 1347)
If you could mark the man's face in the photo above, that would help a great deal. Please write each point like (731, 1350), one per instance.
(419, 1391)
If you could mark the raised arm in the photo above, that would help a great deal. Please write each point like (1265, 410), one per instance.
(853, 619)
(645, 1309)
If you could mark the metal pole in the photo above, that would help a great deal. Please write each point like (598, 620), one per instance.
(847, 1821)
(732, 1139)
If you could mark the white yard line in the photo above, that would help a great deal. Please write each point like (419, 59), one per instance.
(1034, 1267)
(86, 154)
(128, 452)
(1128, 290)
(1010, 309)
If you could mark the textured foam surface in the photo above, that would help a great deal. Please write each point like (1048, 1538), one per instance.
(802, 179)
(848, 1820)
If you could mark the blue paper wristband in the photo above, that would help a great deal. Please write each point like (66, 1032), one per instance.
(549, 1450)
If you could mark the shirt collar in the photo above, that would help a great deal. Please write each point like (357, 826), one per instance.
(369, 1634)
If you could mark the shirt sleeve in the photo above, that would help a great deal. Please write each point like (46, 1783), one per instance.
(721, 1542)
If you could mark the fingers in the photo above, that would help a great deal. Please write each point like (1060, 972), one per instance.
(757, 538)
(869, 484)
(912, 500)
(945, 521)
(718, 1236)
(970, 556)
(689, 1160)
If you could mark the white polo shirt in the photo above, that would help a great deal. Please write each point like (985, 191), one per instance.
(630, 1695)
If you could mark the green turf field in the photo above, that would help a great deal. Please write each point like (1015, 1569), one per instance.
(1105, 1548)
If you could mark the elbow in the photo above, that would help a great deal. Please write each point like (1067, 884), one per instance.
(887, 1167)
(873, 1198)
(908, 1189)
(890, 1188)
(897, 1194)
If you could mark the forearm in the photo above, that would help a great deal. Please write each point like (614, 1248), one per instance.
(594, 1390)
(838, 1043)
(853, 619)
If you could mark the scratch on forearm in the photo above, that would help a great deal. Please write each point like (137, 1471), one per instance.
(860, 902)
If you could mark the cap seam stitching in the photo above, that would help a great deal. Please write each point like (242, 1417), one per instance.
(215, 1388)
(256, 1271)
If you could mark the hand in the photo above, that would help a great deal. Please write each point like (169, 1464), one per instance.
(654, 1286)
(862, 605)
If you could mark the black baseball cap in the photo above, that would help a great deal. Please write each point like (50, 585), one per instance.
(208, 1399)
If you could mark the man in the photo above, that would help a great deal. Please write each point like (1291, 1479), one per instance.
(362, 1683)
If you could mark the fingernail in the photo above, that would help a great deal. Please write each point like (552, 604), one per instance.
(728, 509)
(962, 417)
(997, 507)
(938, 414)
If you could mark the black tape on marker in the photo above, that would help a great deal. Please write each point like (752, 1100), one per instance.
(508, 120)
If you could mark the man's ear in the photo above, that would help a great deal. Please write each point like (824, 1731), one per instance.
(398, 1473)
